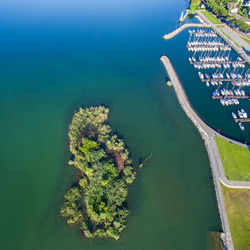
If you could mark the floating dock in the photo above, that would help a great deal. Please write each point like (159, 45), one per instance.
(231, 97)
(221, 63)
(225, 80)
(242, 120)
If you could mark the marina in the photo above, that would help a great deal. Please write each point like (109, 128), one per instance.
(221, 69)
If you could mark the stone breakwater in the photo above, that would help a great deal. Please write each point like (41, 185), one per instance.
(207, 135)
(184, 26)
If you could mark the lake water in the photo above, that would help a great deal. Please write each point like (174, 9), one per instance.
(57, 56)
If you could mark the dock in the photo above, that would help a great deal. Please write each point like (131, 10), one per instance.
(182, 18)
(242, 120)
(224, 79)
(221, 63)
(231, 97)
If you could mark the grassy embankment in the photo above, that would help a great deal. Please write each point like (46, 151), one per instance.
(211, 17)
(238, 212)
(235, 159)
(195, 4)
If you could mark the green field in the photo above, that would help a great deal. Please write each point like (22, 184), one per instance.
(195, 4)
(238, 212)
(235, 159)
(211, 17)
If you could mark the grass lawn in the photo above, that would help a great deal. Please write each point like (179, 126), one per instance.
(195, 4)
(238, 212)
(211, 17)
(235, 159)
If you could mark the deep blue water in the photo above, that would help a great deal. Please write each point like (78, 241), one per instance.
(57, 56)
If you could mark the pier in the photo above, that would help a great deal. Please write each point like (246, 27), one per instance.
(231, 97)
(184, 26)
(242, 120)
(182, 18)
(224, 79)
(208, 135)
(221, 63)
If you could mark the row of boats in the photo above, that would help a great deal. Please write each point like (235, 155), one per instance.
(235, 65)
(229, 102)
(217, 59)
(236, 83)
(202, 33)
(229, 76)
(242, 115)
(209, 48)
(205, 43)
(226, 92)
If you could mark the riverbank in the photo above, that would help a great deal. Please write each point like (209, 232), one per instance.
(207, 135)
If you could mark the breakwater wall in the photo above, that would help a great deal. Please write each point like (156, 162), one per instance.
(207, 135)
(184, 26)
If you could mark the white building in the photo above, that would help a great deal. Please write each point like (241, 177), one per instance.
(233, 8)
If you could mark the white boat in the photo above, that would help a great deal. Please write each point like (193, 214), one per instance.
(244, 113)
(240, 114)
(234, 115)
(201, 75)
(241, 126)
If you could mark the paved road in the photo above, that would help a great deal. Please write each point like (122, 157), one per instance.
(208, 135)
(236, 37)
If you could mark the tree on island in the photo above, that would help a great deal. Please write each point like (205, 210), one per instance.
(97, 202)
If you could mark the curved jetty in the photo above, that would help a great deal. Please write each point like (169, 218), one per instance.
(184, 26)
(208, 135)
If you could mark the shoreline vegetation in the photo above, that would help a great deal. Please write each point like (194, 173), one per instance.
(211, 17)
(97, 201)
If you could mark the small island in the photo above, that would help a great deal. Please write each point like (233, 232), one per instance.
(97, 201)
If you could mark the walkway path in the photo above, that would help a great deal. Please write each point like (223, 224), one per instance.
(208, 135)
(236, 37)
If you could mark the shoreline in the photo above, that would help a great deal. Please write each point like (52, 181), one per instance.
(207, 135)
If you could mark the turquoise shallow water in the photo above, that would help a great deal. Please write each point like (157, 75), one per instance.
(57, 57)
